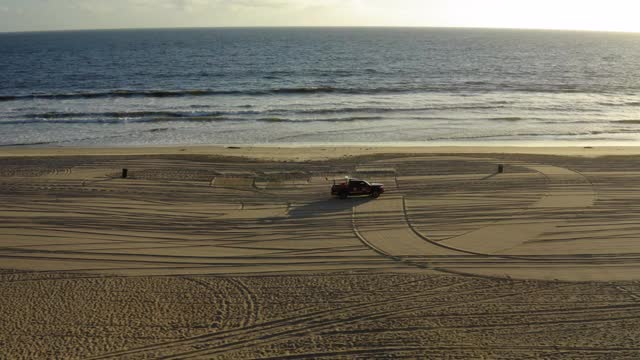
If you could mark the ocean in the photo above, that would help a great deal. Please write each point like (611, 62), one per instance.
(309, 86)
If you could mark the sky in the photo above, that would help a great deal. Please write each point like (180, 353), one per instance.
(42, 15)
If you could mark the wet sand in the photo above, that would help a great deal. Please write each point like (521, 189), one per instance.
(241, 253)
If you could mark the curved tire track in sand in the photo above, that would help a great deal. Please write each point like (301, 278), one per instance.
(356, 314)
(298, 323)
(506, 234)
(248, 298)
(253, 310)
(378, 225)
(589, 258)
(370, 311)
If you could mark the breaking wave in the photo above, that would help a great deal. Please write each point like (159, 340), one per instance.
(456, 88)
(200, 119)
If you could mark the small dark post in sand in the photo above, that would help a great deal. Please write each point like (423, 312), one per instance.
(125, 173)
(500, 169)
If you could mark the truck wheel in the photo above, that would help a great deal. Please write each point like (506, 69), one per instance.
(375, 194)
(343, 195)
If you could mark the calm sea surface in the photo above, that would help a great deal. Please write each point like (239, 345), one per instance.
(310, 86)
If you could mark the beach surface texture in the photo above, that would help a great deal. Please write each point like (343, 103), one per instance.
(241, 252)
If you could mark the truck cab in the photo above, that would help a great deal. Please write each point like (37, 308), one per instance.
(359, 187)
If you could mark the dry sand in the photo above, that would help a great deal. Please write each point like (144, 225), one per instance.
(217, 252)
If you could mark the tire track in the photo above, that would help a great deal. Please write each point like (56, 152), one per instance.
(361, 315)
(628, 292)
(386, 352)
(253, 310)
(452, 351)
(269, 326)
(557, 173)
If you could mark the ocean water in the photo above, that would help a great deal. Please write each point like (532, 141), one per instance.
(319, 86)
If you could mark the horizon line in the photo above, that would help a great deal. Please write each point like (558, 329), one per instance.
(317, 27)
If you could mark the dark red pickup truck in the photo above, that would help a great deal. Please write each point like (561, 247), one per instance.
(355, 187)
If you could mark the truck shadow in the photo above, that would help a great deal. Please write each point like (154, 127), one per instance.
(328, 207)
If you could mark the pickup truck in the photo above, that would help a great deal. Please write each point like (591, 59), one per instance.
(356, 187)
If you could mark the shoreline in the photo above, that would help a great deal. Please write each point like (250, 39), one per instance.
(315, 152)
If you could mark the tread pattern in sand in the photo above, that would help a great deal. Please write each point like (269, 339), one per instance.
(284, 271)
(448, 212)
(383, 226)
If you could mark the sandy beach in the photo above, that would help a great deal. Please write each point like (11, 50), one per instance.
(240, 252)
